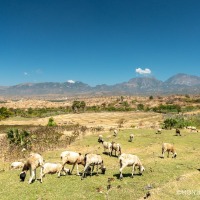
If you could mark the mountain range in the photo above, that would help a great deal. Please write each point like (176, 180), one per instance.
(177, 84)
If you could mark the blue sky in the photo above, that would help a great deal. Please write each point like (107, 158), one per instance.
(97, 41)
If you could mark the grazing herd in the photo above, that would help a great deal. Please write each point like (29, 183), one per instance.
(89, 161)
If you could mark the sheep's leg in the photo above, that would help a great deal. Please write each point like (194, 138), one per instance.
(35, 175)
(77, 171)
(97, 169)
(163, 153)
(168, 154)
(120, 170)
(119, 152)
(133, 170)
(104, 149)
(32, 176)
(41, 174)
(73, 167)
(92, 170)
(59, 173)
(83, 175)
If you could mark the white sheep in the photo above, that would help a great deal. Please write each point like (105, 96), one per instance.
(16, 165)
(192, 128)
(169, 148)
(117, 148)
(106, 145)
(72, 158)
(159, 131)
(129, 160)
(52, 168)
(34, 161)
(115, 132)
(92, 160)
(131, 137)
(100, 137)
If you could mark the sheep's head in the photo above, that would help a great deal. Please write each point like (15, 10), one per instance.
(66, 170)
(174, 156)
(22, 176)
(141, 169)
(103, 170)
(89, 169)
(100, 140)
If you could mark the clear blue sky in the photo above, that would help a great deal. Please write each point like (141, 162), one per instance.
(97, 41)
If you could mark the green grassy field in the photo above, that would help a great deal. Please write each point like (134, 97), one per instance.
(167, 178)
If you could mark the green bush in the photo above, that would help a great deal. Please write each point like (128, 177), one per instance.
(51, 122)
(19, 138)
(78, 106)
(151, 97)
(167, 108)
(176, 122)
(140, 106)
(5, 113)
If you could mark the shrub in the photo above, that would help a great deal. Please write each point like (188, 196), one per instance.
(140, 106)
(5, 113)
(78, 105)
(151, 97)
(51, 122)
(19, 138)
(167, 108)
(176, 122)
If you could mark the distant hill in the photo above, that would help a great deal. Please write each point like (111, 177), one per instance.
(177, 84)
(183, 79)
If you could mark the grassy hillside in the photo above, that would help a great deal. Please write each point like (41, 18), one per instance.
(167, 178)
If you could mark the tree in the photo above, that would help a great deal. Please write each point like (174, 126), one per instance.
(78, 105)
(4, 113)
(140, 106)
(151, 97)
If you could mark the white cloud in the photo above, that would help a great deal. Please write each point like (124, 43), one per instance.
(143, 71)
(25, 73)
(71, 81)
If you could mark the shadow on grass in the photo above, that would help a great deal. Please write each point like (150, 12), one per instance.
(127, 175)
(106, 153)
(93, 174)
(161, 157)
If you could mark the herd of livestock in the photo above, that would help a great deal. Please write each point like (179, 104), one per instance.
(89, 161)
